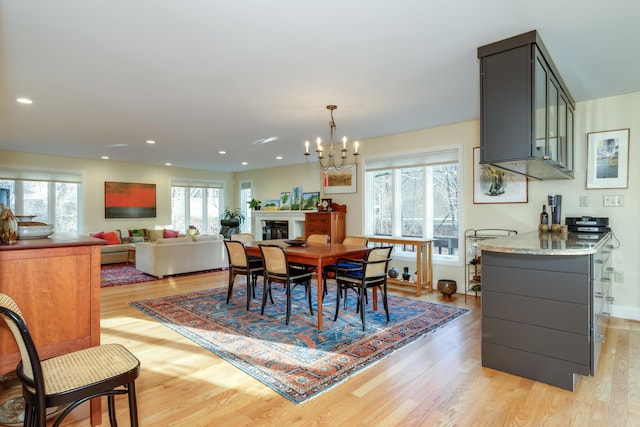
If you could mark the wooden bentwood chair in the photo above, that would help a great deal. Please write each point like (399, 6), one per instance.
(277, 269)
(371, 274)
(242, 264)
(72, 378)
(328, 271)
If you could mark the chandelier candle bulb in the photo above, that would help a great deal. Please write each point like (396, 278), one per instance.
(306, 147)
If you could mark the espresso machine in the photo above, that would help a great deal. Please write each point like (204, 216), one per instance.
(555, 203)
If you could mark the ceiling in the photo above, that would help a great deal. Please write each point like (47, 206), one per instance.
(202, 76)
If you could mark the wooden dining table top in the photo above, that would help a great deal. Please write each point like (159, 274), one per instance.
(317, 255)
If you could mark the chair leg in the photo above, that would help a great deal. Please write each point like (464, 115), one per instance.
(384, 301)
(339, 289)
(112, 410)
(265, 288)
(232, 278)
(308, 287)
(288, 291)
(250, 286)
(133, 404)
(361, 299)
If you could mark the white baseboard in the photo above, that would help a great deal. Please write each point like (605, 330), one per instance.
(623, 312)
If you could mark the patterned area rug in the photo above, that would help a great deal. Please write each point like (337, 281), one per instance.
(123, 274)
(297, 360)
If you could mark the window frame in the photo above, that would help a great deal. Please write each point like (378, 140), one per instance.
(399, 160)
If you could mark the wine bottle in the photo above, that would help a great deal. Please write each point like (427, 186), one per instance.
(544, 216)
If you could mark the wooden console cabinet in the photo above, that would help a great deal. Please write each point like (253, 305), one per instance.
(331, 223)
(56, 284)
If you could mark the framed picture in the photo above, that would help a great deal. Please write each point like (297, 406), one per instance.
(129, 200)
(340, 180)
(608, 159)
(310, 201)
(296, 198)
(285, 201)
(271, 205)
(494, 185)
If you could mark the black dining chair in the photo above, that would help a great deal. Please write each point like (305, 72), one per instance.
(372, 274)
(72, 378)
(329, 271)
(277, 269)
(242, 264)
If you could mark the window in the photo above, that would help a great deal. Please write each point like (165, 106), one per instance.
(196, 205)
(415, 196)
(51, 202)
(245, 198)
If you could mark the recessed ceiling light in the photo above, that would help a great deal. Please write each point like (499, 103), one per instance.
(278, 157)
(222, 152)
(168, 164)
(105, 157)
(24, 101)
(149, 141)
(244, 163)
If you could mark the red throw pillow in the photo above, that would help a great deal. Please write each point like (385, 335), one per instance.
(97, 235)
(111, 238)
(169, 233)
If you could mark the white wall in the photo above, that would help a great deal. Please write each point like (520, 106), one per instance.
(597, 115)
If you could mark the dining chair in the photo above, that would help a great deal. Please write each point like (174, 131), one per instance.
(318, 239)
(242, 264)
(277, 269)
(72, 378)
(329, 271)
(372, 274)
(243, 237)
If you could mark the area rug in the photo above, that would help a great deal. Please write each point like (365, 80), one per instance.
(297, 361)
(126, 274)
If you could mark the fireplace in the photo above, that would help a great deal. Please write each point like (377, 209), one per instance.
(269, 225)
(275, 229)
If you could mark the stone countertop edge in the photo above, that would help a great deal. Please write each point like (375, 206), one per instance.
(534, 243)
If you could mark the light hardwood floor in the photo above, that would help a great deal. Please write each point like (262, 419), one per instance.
(436, 381)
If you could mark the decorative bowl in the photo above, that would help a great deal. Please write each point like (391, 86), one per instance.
(34, 231)
(23, 218)
(296, 242)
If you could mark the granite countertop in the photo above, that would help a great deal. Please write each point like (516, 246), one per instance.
(535, 243)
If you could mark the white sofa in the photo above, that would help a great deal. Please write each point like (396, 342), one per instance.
(178, 255)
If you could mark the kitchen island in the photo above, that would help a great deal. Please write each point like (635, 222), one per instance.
(56, 284)
(545, 305)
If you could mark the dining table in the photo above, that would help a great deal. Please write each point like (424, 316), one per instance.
(317, 255)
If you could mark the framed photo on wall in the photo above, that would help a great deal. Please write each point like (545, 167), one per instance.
(608, 159)
(494, 185)
(341, 180)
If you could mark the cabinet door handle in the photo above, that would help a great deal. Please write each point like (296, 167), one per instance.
(611, 299)
(605, 314)
(598, 294)
(600, 338)
(599, 261)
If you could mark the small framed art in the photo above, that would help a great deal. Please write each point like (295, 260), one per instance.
(608, 159)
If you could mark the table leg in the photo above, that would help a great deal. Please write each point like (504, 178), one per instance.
(319, 278)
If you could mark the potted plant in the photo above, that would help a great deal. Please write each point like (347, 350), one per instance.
(232, 218)
(254, 204)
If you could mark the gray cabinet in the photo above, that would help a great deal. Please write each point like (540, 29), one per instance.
(545, 317)
(526, 112)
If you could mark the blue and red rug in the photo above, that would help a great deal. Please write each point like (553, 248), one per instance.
(126, 274)
(297, 361)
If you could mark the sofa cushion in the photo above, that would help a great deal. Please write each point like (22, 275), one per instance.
(155, 234)
(168, 234)
(137, 239)
(140, 232)
(204, 237)
(185, 239)
(97, 235)
(111, 238)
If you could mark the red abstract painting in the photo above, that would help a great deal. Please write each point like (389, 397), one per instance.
(129, 200)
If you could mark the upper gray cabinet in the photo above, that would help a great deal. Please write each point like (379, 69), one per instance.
(526, 111)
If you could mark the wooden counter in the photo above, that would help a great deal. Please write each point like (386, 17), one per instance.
(424, 268)
(56, 284)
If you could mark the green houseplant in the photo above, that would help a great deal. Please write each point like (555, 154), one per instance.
(254, 204)
(232, 218)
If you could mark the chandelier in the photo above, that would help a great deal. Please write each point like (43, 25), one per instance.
(328, 158)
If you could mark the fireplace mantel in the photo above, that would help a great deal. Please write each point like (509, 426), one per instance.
(295, 219)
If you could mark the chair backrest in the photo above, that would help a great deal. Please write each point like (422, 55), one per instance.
(377, 261)
(11, 314)
(236, 252)
(243, 237)
(355, 241)
(275, 259)
(316, 239)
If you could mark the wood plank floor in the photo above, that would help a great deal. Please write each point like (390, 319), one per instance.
(436, 381)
